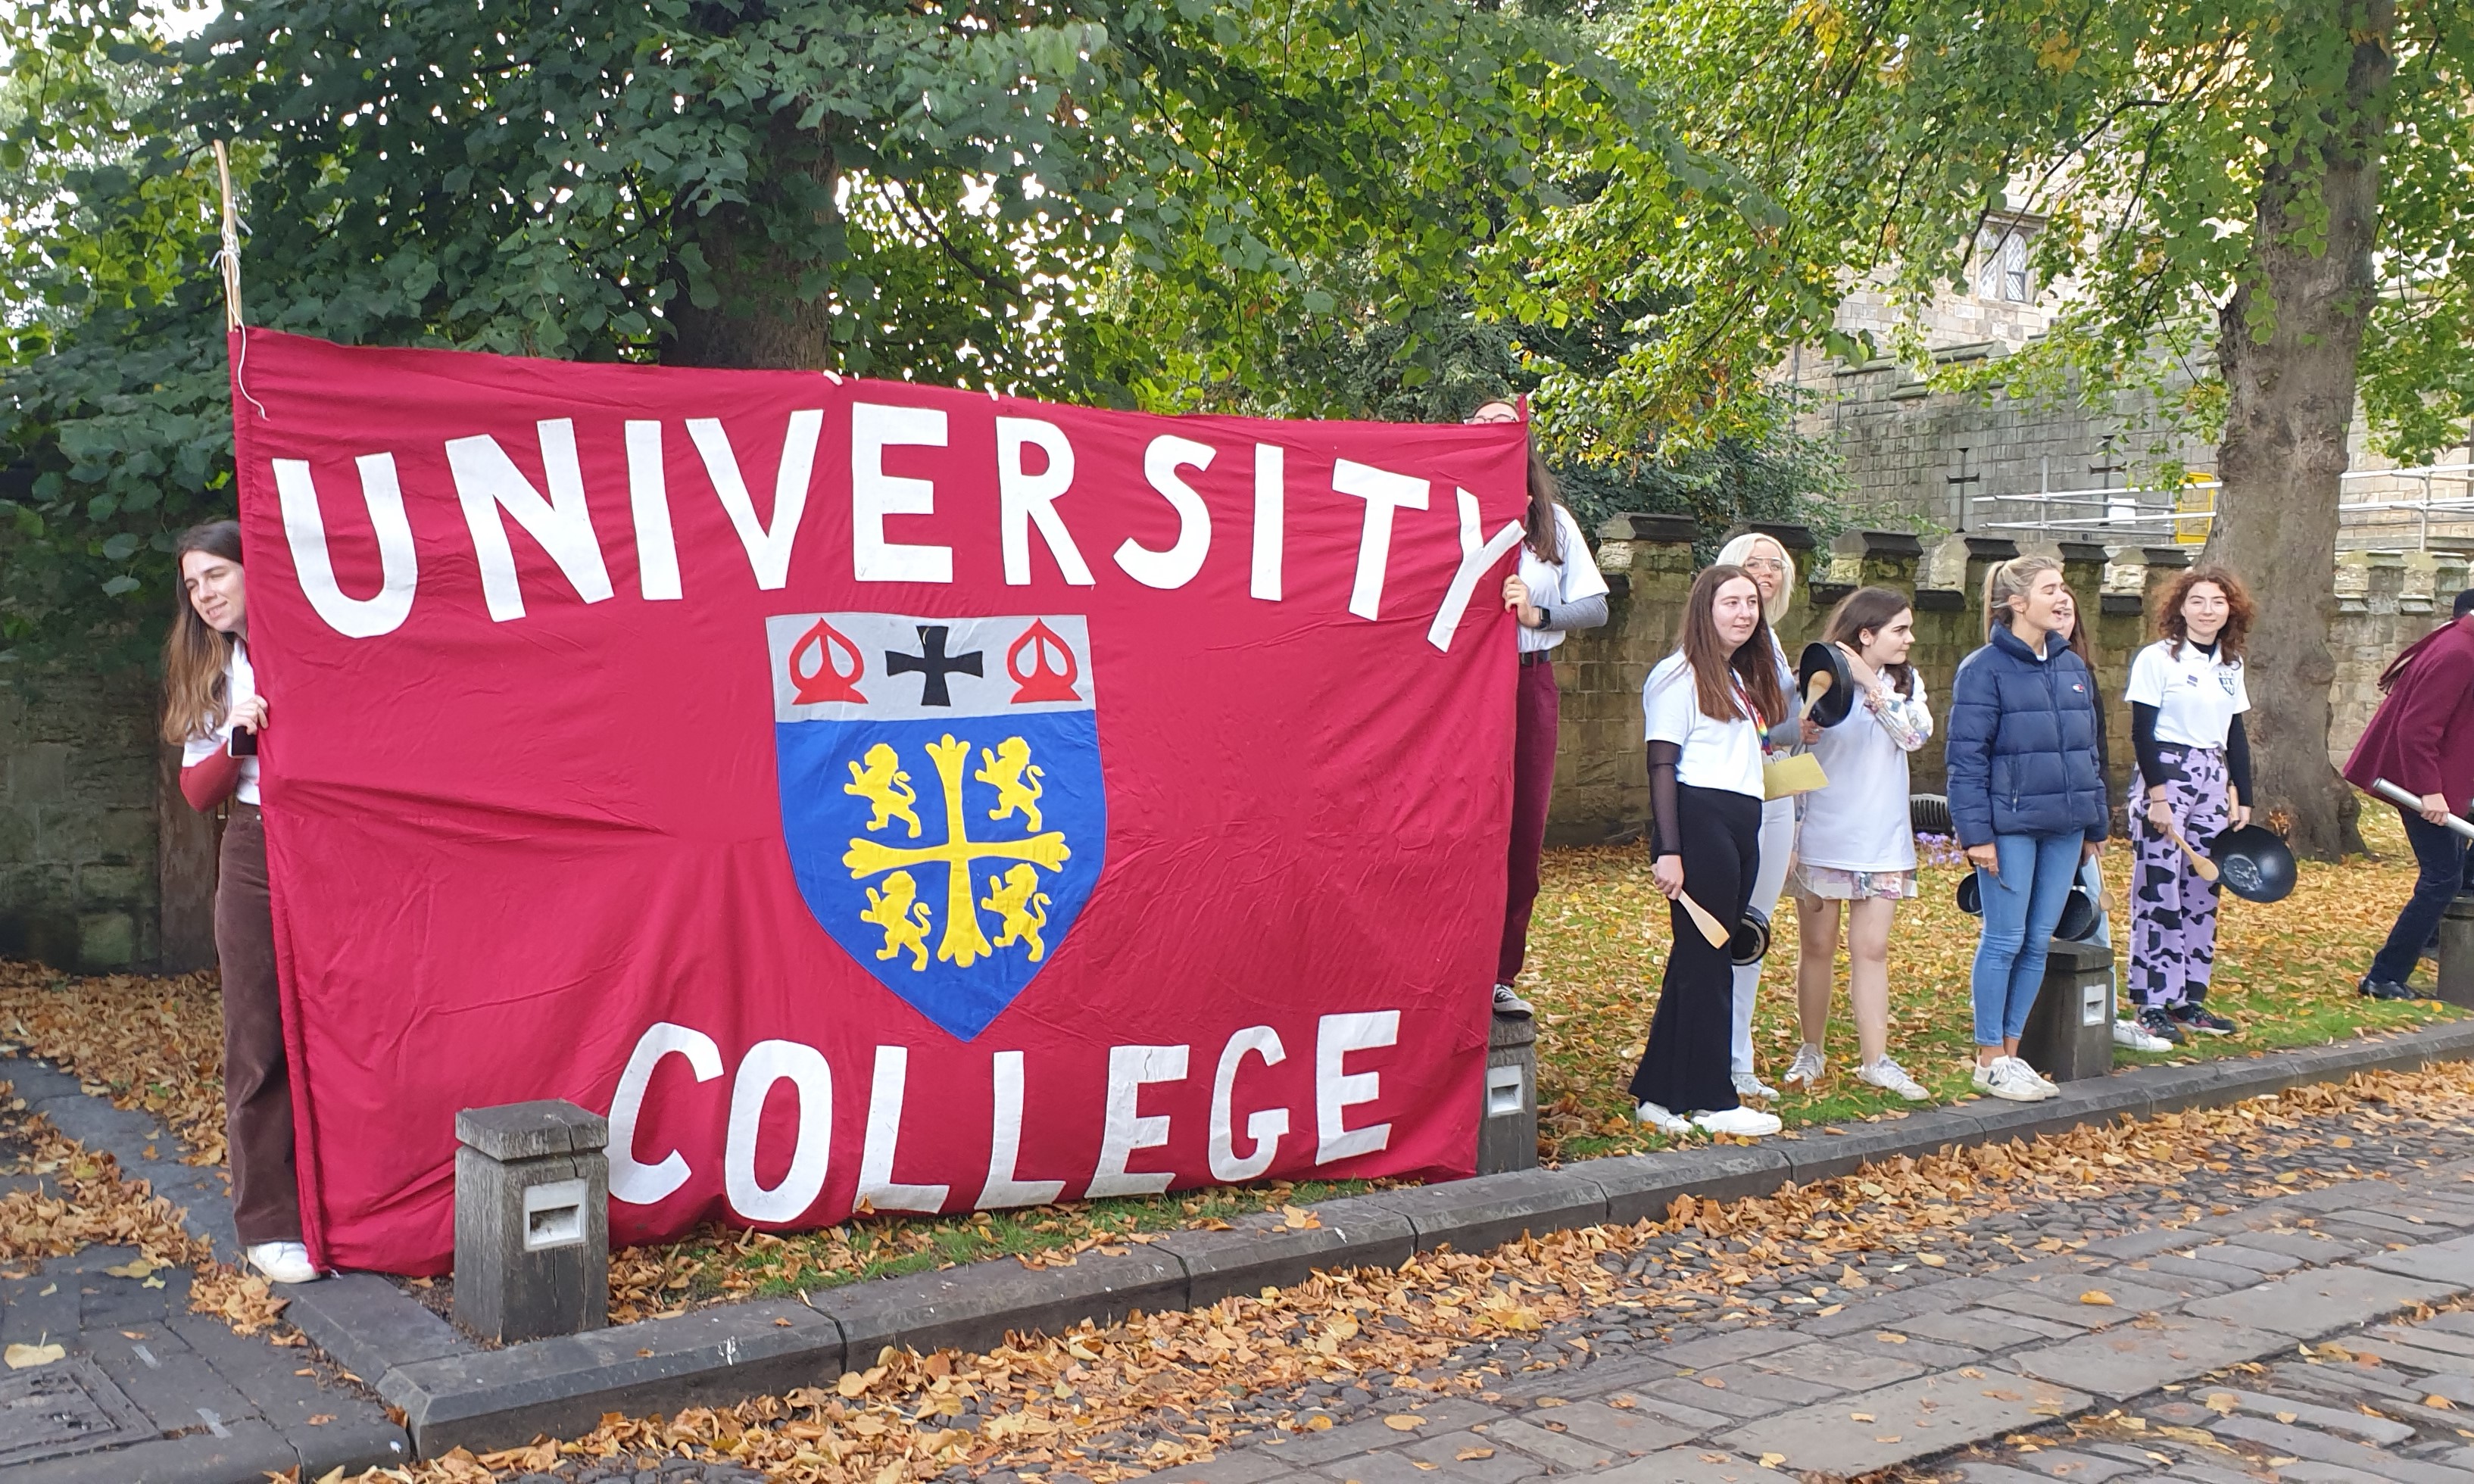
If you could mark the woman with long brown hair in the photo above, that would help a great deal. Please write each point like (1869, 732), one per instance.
(1556, 590)
(212, 709)
(1706, 708)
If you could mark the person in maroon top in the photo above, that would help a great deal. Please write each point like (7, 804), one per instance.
(2422, 740)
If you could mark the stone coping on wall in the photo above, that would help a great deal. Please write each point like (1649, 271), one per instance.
(455, 1393)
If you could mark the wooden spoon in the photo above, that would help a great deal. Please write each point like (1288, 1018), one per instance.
(1711, 927)
(2200, 863)
(1814, 690)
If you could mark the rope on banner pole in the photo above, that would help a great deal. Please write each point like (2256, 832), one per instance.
(228, 261)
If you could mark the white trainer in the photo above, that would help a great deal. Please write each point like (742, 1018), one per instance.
(2012, 1081)
(283, 1262)
(1806, 1070)
(1747, 1123)
(1747, 1085)
(1661, 1120)
(2129, 1036)
(2053, 1088)
(1891, 1077)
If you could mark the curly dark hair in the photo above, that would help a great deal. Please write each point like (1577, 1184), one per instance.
(2240, 610)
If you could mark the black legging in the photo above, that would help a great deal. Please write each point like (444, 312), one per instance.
(1684, 1069)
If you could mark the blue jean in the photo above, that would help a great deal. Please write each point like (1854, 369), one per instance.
(2023, 905)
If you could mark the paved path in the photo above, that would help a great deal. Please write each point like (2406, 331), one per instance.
(147, 1392)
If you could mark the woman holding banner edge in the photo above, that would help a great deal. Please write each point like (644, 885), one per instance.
(1706, 708)
(1557, 589)
(212, 709)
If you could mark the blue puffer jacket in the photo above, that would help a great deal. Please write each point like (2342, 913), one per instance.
(2021, 740)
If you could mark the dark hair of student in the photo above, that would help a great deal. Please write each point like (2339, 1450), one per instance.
(194, 653)
(2240, 612)
(1544, 538)
(2466, 602)
(1870, 610)
(1755, 671)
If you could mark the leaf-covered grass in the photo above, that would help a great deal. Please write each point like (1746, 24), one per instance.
(2284, 974)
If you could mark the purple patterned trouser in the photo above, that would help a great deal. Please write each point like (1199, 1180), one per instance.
(2172, 912)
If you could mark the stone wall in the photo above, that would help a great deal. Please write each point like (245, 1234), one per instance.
(2384, 601)
(78, 780)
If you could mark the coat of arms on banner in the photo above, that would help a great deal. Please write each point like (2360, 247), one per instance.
(941, 795)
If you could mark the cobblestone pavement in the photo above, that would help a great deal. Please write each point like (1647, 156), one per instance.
(144, 1390)
(2073, 1308)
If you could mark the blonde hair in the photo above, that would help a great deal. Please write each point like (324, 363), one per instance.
(1733, 555)
(2011, 579)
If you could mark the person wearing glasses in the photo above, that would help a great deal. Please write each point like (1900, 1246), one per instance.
(1764, 560)
(1557, 589)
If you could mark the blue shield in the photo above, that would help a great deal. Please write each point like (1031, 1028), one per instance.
(941, 795)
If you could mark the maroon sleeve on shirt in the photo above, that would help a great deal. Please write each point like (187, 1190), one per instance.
(208, 783)
(2427, 714)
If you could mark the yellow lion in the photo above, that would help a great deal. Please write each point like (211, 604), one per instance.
(1016, 779)
(902, 917)
(1016, 897)
(886, 788)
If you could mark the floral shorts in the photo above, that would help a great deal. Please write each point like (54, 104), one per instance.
(1828, 884)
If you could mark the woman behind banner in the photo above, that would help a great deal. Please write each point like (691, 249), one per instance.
(1706, 707)
(1556, 590)
(1766, 562)
(2187, 698)
(1856, 847)
(2421, 740)
(214, 710)
(2027, 799)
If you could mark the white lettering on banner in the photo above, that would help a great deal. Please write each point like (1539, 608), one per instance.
(1025, 500)
(1123, 1129)
(875, 494)
(1005, 1145)
(766, 1064)
(1264, 1126)
(1336, 1091)
(487, 481)
(1176, 566)
(648, 501)
(631, 1180)
(305, 530)
(877, 1185)
(1383, 491)
(1271, 493)
(1476, 557)
(769, 546)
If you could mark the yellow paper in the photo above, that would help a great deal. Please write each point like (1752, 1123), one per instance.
(1795, 774)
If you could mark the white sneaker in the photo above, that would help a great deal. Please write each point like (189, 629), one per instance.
(2130, 1037)
(283, 1262)
(2009, 1078)
(1660, 1119)
(1806, 1070)
(2053, 1088)
(1749, 1122)
(1891, 1077)
(1747, 1085)
(1510, 1006)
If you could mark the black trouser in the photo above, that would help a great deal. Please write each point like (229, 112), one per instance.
(2442, 856)
(1684, 1069)
(258, 1085)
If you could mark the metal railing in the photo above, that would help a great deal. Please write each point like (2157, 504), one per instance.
(2398, 502)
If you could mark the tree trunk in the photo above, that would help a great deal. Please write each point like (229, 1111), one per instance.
(2288, 343)
(755, 252)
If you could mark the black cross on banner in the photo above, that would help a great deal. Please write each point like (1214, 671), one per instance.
(932, 665)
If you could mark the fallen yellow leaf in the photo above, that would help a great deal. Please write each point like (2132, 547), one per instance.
(2096, 1296)
(22, 1356)
(1468, 1454)
(1402, 1422)
(1772, 1460)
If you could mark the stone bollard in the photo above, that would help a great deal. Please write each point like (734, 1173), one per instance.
(532, 1220)
(1507, 1121)
(2070, 1030)
(2457, 952)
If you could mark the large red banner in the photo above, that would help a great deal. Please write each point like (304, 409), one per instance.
(873, 796)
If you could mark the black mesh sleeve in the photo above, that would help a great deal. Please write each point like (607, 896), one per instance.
(2143, 741)
(1666, 824)
(2237, 758)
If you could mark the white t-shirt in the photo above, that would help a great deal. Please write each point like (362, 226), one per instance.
(2196, 697)
(1553, 584)
(240, 684)
(1861, 822)
(1716, 754)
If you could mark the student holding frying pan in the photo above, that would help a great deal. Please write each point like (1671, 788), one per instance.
(1706, 707)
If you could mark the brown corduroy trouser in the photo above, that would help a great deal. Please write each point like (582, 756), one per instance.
(257, 1084)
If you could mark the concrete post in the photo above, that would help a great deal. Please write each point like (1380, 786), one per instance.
(1507, 1123)
(2070, 1030)
(1983, 554)
(532, 1220)
(1884, 559)
(2457, 952)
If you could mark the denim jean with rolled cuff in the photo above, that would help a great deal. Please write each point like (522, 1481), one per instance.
(2440, 853)
(2023, 905)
